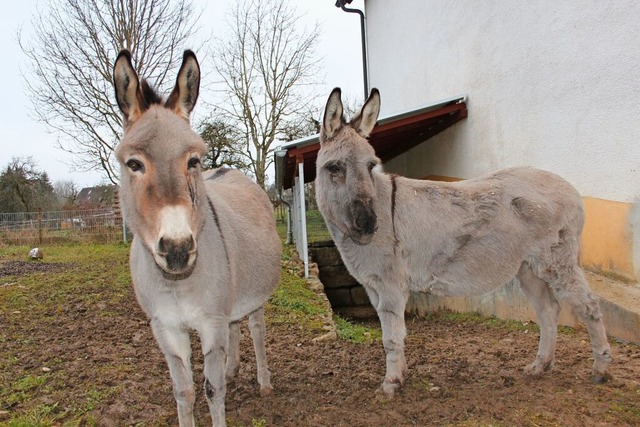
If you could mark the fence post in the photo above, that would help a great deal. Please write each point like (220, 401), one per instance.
(39, 226)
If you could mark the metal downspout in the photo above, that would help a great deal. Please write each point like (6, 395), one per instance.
(289, 231)
(280, 155)
(363, 38)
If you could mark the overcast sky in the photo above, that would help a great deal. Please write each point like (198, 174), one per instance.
(21, 136)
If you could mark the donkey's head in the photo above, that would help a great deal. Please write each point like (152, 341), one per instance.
(344, 168)
(161, 185)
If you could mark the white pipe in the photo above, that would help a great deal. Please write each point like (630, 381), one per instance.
(303, 218)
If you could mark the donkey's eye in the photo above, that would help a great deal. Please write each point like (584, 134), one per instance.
(135, 165)
(193, 163)
(333, 168)
(371, 165)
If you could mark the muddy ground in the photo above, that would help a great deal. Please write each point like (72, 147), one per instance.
(463, 371)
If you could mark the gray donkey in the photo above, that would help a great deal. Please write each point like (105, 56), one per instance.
(205, 252)
(398, 235)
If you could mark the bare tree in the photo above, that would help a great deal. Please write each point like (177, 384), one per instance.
(309, 119)
(66, 191)
(266, 65)
(223, 148)
(71, 53)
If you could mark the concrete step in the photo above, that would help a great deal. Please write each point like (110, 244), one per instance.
(619, 303)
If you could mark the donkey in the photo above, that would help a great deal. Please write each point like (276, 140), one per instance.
(205, 252)
(398, 235)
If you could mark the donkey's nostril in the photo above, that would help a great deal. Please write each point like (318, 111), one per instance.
(161, 246)
(192, 245)
(176, 252)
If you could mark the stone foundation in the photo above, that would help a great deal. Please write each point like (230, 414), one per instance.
(343, 291)
(348, 298)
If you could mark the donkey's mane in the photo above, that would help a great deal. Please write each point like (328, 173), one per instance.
(149, 94)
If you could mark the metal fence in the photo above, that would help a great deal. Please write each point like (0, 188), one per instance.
(38, 228)
(105, 225)
(316, 228)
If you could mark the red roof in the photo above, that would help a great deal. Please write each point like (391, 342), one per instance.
(392, 136)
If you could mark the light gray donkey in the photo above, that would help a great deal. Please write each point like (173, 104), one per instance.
(398, 235)
(205, 252)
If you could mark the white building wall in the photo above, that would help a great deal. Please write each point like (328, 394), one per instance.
(552, 84)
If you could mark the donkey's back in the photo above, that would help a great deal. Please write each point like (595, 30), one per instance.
(514, 215)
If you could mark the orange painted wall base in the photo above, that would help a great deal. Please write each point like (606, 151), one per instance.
(607, 242)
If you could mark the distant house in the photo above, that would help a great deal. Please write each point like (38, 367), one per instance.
(101, 196)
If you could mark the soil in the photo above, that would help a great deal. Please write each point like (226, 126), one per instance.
(460, 372)
(23, 268)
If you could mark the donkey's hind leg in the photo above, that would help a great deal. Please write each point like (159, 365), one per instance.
(258, 332)
(586, 306)
(233, 356)
(547, 309)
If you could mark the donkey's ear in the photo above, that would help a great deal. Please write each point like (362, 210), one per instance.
(366, 118)
(333, 119)
(127, 85)
(185, 94)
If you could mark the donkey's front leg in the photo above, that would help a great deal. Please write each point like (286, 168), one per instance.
(176, 347)
(390, 308)
(215, 346)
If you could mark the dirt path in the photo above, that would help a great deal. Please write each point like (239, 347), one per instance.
(103, 367)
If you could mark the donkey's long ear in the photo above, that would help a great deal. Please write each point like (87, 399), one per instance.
(333, 119)
(185, 94)
(127, 85)
(366, 118)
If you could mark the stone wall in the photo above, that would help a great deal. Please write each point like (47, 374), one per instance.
(343, 291)
(349, 299)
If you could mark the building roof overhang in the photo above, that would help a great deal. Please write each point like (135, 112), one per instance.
(392, 136)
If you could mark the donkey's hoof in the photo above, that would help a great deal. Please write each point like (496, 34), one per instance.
(231, 374)
(600, 378)
(533, 371)
(537, 368)
(389, 388)
(266, 391)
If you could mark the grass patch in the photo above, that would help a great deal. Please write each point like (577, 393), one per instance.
(293, 302)
(293, 297)
(40, 415)
(92, 282)
(75, 286)
(355, 333)
(22, 389)
(491, 321)
(316, 228)
(628, 413)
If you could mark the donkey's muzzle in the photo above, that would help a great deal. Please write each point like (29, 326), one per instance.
(177, 253)
(364, 221)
